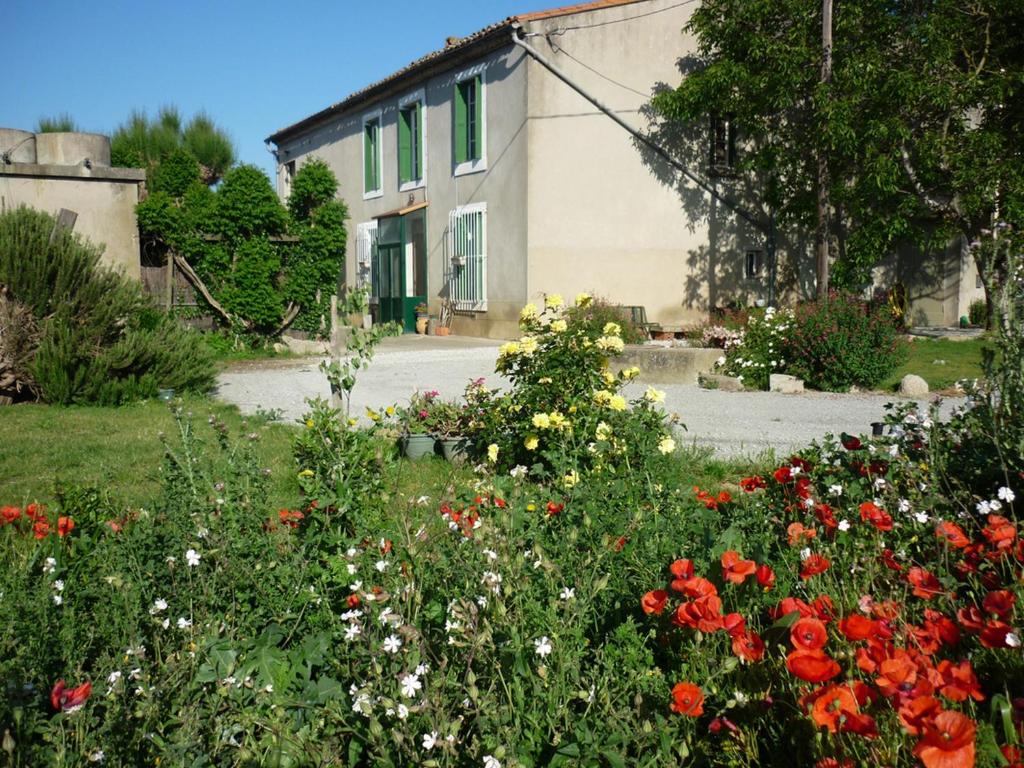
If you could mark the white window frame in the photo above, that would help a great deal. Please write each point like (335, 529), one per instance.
(366, 240)
(758, 264)
(473, 166)
(421, 97)
(455, 263)
(369, 117)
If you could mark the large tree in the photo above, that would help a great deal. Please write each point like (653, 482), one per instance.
(920, 126)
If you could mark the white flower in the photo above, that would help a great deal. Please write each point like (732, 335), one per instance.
(809, 503)
(352, 631)
(805, 553)
(355, 586)
(384, 614)
(491, 554)
(192, 558)
(355, 613)
(518, 471)
(165, 623)
(352, 569)
(995, 505)
(879, 482)
(410, 684)
(542, 646)
(403, 711)
(422, 669)
(351, 552)
(158, 605)
(429, 740)
(228, 681)
(1004, 493)
(983, 507)
(58, 585)
(392, 643)
(114, 676)
(490, 761)
(361, 704)
(97, 756)
(50, 566)
(481, 600)
(184, 623)
(58, 600)
(903, 505)
(381, 565)
(568, 593)
(269, 688)
(921, 517)
(1013, 639)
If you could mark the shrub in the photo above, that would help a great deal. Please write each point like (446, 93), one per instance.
(977, 313)
(843, 342)
(97, 340)
(599, 312)
(760, 350)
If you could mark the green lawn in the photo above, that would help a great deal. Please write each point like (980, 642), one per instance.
(940, 362)
(119, 449)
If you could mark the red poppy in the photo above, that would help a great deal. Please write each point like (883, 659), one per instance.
(878, 517)
(704, 614)
(765, 576)
(953, 534)
(66, 699)
(915, 714)
(888, 558)
(751, 484)
(947, 742)
(862, 725)
(796, 534)
(808, 634)
(735, 569)
(385, 546)
(812, 565)
(971, 618)
(687, 699)
(1014, 756)
(353, 601)
(41, 528)
(925, 584)
(748, 646)
(1000, 532)
(897, 674)
(824, 608)
(799, 461)
(654, 601)
(831, 762)
(959, 681)
(999, 602)
(826, 516)
(698, 586)
(65, 525)
(850, 442)
(34, 511)
(734, 624)
(782, 475)
(941, 627)
(718, 723)
(500, 503)
(290, 518)
(832, 705)
(993, 634)
(856, 627)
(812, 666)
(620, 543)
(789, 605)
(9, 515)
(682, 569)
(554, 509)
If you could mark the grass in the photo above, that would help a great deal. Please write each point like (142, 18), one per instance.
(118, 450)
(940, 362)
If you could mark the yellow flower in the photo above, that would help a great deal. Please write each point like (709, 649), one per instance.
(529, 312)
(372, 415)
(309, 423)
(541, 420)
(612, 329)
(602, 397)
(559, 326)
(553, 300)
(557, 420)
(527, 345)
(544, 380)
(666, 445)
(583, 299)
(570, 479)
(653, 395)
(353, 421)
(508, 349)
(610, 344)
(604, 432)
(608, 377)
(630, 373)
(531, 507)
(390, 410)
(306, 473)
(617, 403)
(492, 453)
(572, 409)
(531, 442)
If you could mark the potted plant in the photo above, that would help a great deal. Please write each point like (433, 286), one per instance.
(417, 439)
(446, 419)
(422, 317)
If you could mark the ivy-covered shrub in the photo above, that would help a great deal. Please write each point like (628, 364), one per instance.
(599, 312)
(96, 338)
(843, 342)
(761, 349)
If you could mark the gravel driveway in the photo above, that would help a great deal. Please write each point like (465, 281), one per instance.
(734, 423)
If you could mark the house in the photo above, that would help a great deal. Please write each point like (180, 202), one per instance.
(510, 163)
(54, 171)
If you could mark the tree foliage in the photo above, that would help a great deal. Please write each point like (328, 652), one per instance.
(141, 142)
(265, 267)
(921, 124)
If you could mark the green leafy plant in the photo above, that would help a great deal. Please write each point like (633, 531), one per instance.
(760, 350)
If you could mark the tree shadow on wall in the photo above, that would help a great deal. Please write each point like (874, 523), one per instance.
(717, 269)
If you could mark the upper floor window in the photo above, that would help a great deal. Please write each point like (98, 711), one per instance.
(411, 164)
(371, 156)
(469, 129)
(723, 145)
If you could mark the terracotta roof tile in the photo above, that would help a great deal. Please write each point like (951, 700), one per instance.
(450, 50)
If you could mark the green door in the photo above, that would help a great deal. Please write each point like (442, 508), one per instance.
(400, 268)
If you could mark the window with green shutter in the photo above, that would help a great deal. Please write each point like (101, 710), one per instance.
(469, 120)
(371, 155)
(410, 143)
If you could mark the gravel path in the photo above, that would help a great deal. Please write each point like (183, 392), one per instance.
(734, 423)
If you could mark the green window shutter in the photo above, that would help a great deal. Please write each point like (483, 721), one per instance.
(368, 185)
(405, 145)
(478, 118)
(419, 140)
(461, 120)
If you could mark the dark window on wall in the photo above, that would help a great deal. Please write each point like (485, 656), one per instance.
(755, 265)
(468, 120)
(723, 145)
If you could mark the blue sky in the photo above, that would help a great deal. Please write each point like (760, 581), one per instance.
(254, 66)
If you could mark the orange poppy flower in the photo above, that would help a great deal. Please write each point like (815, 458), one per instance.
(959, 681)
(915, 714)
(66, 699)
(953, 534)
(832, 762)
(874, 514)
(9, 514)
(682, 569)
(734, 624)
(765, 576)
(947, 742)
(34, 511)
(65, 525)
(687, 699)
(751, 484)
(897, 674)
(654, 601)
(993, 634)
(813, 565)
(1000, 532)
(925, 584)
(824, 608)
(748, 646)
(698, 587)
(999, 602)
(735, 569)
(41, 528)
(941, 627)
(856, 627)
(812, 666)
(825, 515)
(796, 534)
(832, 705)
(704, 614)
(971, 618)
(808, 634)
(788, 606)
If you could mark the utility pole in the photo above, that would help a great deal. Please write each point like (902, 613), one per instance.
(824, 204)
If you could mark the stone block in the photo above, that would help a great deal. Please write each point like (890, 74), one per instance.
(787, 385)
(912, 385)
(722, 382)
(667, 365)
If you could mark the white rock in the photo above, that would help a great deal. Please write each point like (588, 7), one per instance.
(788, 385)
(912, 385)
